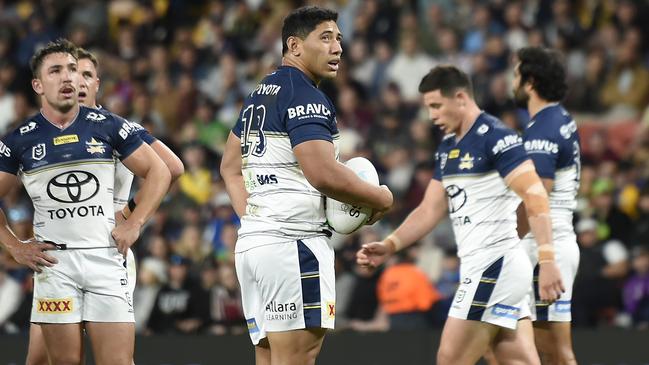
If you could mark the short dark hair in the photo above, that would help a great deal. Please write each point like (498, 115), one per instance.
(300, 22)
(543, 69)
(82, 54)
(58, 46)
(447, 79)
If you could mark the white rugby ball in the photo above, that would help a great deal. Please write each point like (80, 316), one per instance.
(345, 218)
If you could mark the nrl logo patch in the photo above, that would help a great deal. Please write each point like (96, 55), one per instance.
(38, 151)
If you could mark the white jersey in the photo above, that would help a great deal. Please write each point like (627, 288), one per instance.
(482, 208)
(69, 174)
(284, 110)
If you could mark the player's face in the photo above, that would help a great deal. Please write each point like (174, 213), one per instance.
(57, 82)
(444, 112)
(521, 97)
(322, 49)
(88, 83)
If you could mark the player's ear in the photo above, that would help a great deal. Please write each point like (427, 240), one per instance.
(98, 83)
(37, 85)
(294, 45)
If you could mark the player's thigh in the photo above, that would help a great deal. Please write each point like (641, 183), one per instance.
(464, 341)
(516, 347)
(112, 343)
(37, 351)
(262, 352)
(64, 342)
(296, 347)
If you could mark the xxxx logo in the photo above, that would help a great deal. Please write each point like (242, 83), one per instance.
(331, 309)
(55, 305)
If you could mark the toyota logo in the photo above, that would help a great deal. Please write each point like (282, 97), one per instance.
(456, 198)
(73, 187)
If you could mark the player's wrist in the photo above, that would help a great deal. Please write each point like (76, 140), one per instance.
(546, 253)
(393, 243)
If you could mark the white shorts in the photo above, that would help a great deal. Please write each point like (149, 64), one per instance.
(86, 285)
(131, 273)
(494, 292)
(566, 253)
(287, 286)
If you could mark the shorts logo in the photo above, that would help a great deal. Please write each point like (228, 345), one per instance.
(69, 138)
(459, 296)
(123, 281)
(38, 151)
(252, 325)
(55, 306)
(562, 306)
(507, 311)
(331, 309)
(281, 311)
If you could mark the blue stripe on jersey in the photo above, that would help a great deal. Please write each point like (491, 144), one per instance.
(286, 101)
(484, 290)
(541, 306)
(94, 134)
(309, 266)
(488, 145)
(552, 141)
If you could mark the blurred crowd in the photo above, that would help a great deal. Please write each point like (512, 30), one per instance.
(181, 69)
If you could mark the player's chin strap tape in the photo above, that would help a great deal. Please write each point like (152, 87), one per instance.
(64, 247)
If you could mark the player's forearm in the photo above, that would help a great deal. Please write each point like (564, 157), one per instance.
(173, 162)
(154, 187)
(419, 223)
(341, 183)
(238, 195)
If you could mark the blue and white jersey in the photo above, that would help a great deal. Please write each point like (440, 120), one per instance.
(552, 142)
(481, 206)
(69, 173)
(284, 110)
(124, 176)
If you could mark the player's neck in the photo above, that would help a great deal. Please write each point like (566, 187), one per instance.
(470, 116)
(536, 104)
(59, 118)
(293, 62)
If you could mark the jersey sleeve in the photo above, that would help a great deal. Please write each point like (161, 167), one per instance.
(437, 172)
(144, 135)
(124, 136)
(9, 163)
(506, 150)
(236, 130)
(309, 116)
(543, 151)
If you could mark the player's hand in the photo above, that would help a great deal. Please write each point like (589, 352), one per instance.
(373, 254)
(550, 283)
(31, 253)
(379, 213)
(125, 236)
(119, 218)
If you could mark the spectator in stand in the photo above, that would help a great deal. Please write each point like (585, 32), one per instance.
(405, 293)
(636, 289)
(603, 265)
